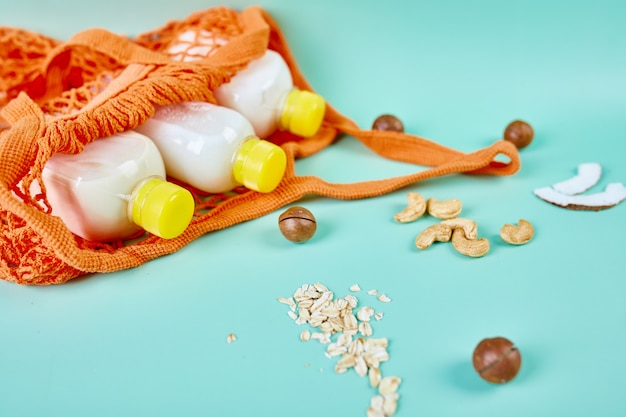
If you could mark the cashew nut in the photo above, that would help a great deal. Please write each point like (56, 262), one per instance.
(435, 233)
(474, 248)
(517, 235)
(469, 226)
(447, 209)
(415, 209)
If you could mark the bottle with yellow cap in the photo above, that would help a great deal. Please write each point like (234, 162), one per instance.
(264, 93)
(114, 188)
(213, 148)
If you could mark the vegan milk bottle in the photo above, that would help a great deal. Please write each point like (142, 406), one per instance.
(114, 188)
(213, 148)
(263, 92)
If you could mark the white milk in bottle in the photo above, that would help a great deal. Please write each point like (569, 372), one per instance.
(213, 148)
(114, 188)
(263, 92)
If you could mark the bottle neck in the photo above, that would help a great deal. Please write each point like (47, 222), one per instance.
(259, 165)
(137, 197)
(287, 109)
(302, 112)
(161, 207)
(239, 159)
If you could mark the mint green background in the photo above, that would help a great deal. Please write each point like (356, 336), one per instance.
(152, 341)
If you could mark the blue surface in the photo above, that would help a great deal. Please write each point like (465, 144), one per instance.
(152, 341)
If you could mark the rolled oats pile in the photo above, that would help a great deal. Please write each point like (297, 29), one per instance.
(346, 330)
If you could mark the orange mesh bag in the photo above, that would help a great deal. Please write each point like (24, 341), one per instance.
(59, 96)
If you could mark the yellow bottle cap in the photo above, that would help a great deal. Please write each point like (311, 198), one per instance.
(303, 113)
(162, 208)
(259, 165)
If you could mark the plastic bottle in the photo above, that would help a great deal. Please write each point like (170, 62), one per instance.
(264, 93)
(213, 148)
(114, 188)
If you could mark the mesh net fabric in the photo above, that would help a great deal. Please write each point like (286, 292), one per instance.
(21, 55)
(59, 96)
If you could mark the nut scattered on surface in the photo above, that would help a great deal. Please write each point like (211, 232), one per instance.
(517, 235)
(496, 360)
(474, 248)
(436, 233)
(519, 133)
(447, 209)
(461, 231)
(414, 210)
(388, 122)
(469, 226)
(231, 338)
(297, 224)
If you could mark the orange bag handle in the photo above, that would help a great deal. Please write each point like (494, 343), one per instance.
(401, 147)
(249, 45)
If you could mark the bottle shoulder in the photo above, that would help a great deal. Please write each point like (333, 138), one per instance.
(269, 72)
(196, 127)
(119, 154)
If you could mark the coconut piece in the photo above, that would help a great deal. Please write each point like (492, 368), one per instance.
(614, 194)
(588, 175)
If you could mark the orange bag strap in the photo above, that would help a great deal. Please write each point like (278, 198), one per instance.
(393, 145)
